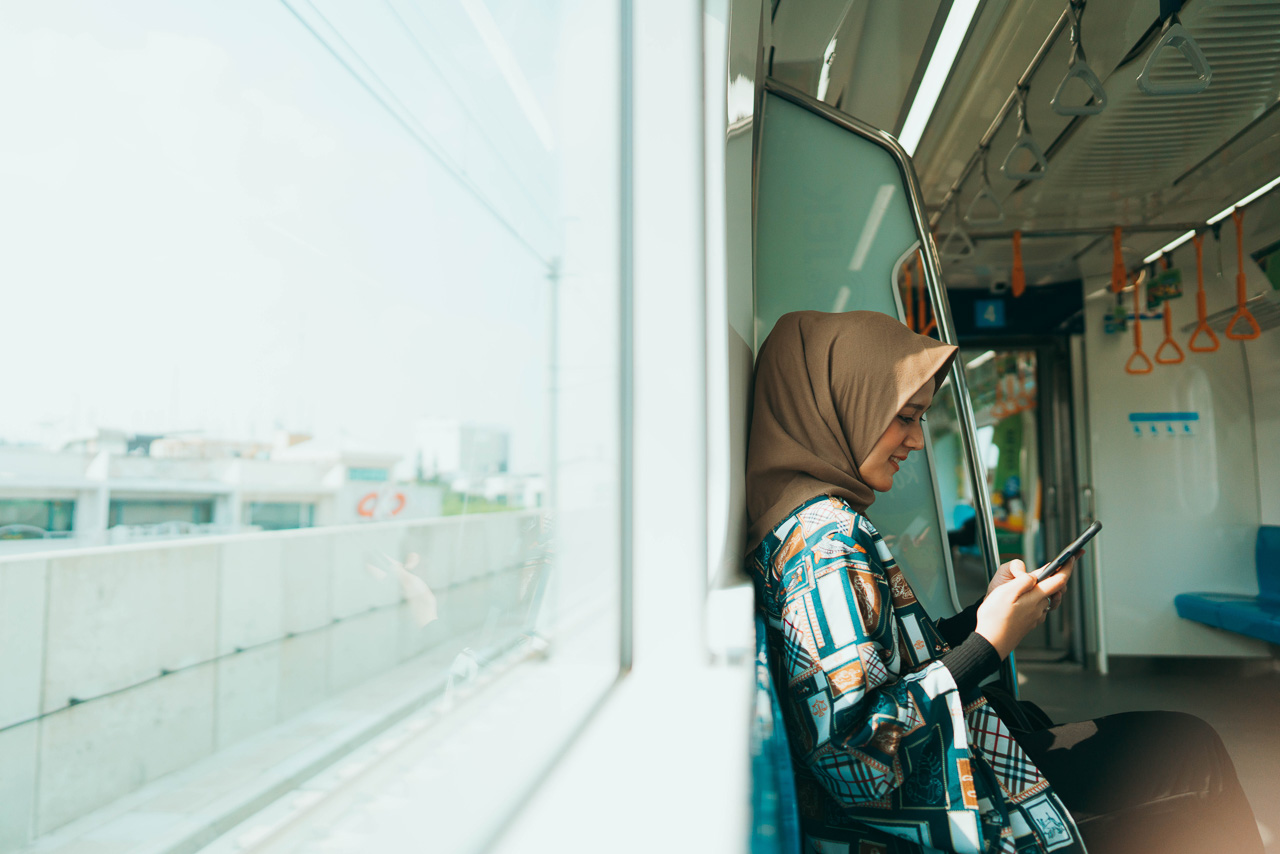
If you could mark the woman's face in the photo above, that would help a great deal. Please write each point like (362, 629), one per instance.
(903, 435)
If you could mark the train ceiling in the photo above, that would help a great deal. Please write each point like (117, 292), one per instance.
(1144, 161)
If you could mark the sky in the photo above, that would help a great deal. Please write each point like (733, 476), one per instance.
(211, 223)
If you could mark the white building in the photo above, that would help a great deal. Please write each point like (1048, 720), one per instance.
(95, 491)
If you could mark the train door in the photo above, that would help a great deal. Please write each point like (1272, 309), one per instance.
(838, 222)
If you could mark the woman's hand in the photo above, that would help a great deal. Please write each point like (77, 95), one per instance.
(1007, 573)
(1015, 606)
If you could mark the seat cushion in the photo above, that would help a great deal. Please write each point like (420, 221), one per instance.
(1258, 619)
(1245, 615)
(1206, 607)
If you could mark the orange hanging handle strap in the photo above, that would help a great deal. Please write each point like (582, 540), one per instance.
(1202, 328)
(1138, 363)
(1118, 273)
(927, 327)
(1018, 277)
(1242, 311)
(1168, 340)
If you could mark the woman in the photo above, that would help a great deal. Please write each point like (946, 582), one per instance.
(895, 747)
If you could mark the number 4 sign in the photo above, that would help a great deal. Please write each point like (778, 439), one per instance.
(989, 314)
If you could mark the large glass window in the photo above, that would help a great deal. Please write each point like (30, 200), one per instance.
(326, 301)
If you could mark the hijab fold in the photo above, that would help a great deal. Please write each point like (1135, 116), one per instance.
(826, 388)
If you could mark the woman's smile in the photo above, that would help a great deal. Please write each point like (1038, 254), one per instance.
(903, 435)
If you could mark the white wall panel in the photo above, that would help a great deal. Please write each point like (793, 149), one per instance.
(438, 548)
(414, 638)
(1181, 512)
(96, 752)
(1264, 379)
(305, 564)
(248, 694)
(17, 784)
(22, 611)
(117, 617)
(250, 593)
(360, 645)
(304, 673)
(361, 574)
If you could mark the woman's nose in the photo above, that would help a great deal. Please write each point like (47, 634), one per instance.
(915, 437)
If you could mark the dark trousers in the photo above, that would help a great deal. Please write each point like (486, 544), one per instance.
(1143, 782)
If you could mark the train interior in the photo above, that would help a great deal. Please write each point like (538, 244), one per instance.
(387, 489)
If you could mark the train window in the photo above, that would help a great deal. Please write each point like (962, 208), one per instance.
(324, 300)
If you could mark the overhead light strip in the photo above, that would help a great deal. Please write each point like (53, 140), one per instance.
(937, 72)
(1256, 194)
(1213, 220)
(1166, 249)
(981, 360)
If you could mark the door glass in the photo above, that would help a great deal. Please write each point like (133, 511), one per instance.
(833, 225)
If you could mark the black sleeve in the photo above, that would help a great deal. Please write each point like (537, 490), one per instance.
(972, 661)
(955, 629)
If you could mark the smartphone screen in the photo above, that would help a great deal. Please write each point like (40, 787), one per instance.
(1057, 563)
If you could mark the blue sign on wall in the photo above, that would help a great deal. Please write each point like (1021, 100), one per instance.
(988, 313)
(1154, 424)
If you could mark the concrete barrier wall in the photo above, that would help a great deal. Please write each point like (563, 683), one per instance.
(124, 663)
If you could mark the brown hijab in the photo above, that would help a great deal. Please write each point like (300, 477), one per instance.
(826, 388)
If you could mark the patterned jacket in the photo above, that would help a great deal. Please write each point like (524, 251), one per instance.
(889, 756)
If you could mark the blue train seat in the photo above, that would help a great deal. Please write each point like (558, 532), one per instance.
(1255, 616)
(775, 820)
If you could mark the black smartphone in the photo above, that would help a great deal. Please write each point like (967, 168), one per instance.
(1057, 563)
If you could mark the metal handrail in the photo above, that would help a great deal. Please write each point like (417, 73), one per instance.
(932, 269)
(1009, 103)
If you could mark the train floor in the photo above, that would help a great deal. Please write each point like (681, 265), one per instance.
(1239, 698)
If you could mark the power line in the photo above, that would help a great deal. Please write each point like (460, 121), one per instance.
(420, 136)
(426, 56)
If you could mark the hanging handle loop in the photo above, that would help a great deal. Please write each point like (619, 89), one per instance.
(1024, 142)
(963, 247)
(985, 195)
(1018, 275)
(1202, 328)
(1242, 310)
(1176, 36)
(1138, 363)
(1078, 69)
